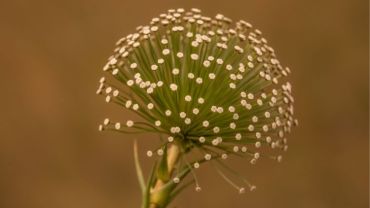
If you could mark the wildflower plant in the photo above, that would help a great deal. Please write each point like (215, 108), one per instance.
(209, 88)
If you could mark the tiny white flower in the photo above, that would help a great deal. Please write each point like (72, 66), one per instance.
(128, 103)
(232, 85)
(194, 56)
(219, 61)
(159, 83)
(129, 123)
(232, 109)
(200, 100)
(149, 153)
(188, 98)
(206, 63)
(250, 96)
(187, 121)
(133, 65)
(150, 106)
(166, 51)
(211, 75)
(202, 139)
(168, 112)
(191, 76)
(205, 123)
(229, 67)
(130, 82)
(117, 126)
(106, 121)
(176, 180)
(157, 123)
(267, 114)
(180, 55)
(135, 107)
(154, 67)
(175, 71)
(173, 87)
(160, 152)
(182, 114)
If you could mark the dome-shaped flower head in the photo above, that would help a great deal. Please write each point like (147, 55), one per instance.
(213, 87)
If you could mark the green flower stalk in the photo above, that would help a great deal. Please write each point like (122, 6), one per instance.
(208, 88)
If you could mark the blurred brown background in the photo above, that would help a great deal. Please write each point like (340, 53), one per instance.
(52, 156)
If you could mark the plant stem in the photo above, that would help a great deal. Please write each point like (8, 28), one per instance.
(158, 196)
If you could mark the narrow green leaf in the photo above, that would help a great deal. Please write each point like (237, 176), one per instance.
(139, 171)
(150, 184)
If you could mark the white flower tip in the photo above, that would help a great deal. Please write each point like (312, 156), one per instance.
(129, 123)
(107, 99)
(279, 158)
(252, 188)
(106, 121)
(168, 112)
(198, 189)
(157, 123)
(202, 139)
(160, 152)
(200, 100)
(117, 126)
(176, 180)
(188, 98)
(173, 87)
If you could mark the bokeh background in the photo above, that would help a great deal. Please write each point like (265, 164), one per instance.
(51, 154)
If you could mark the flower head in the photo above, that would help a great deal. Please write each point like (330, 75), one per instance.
(205, 83)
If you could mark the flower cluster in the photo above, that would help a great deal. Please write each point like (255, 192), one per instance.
(207, 84)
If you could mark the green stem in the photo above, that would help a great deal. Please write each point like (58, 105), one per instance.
(159, 194)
